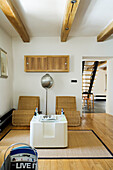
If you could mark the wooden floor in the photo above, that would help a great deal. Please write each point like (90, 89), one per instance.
(102, 124)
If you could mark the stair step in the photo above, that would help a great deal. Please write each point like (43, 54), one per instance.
(86, 86)
(86, 78)
(89, 65)
(86, 90)
(86, 75)
(89, 61)
(86, 82)
(88, 70)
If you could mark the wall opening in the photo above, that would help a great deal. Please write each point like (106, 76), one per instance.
(94, 85)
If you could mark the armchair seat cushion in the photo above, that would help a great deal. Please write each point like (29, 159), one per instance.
(73, 117)
(25, 112)
(68, 103)
(22, 117)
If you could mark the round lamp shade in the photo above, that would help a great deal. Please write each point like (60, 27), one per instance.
(47, 81)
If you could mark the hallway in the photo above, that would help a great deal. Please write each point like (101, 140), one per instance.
(99, 107)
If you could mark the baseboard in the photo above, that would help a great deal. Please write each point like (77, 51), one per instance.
(5, 119)
(100, 98)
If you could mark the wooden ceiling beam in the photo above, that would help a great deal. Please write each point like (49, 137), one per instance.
(105, 33)
(14, 18)
(70, 12)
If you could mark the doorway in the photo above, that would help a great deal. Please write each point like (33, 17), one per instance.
(94, 85)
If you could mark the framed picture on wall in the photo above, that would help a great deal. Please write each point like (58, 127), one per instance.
(3, 64)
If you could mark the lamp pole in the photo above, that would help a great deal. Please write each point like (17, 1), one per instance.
(46, 101)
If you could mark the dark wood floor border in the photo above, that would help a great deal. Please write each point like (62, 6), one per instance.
(102, 142)
(5, 134)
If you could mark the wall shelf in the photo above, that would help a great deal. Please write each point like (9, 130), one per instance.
(46, 63)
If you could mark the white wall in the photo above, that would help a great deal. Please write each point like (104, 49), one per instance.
(99, 86)
(76, 47)
(6, 85)
(109, 102)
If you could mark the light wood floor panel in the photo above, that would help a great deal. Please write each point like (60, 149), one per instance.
(76, 164)
(102, 124)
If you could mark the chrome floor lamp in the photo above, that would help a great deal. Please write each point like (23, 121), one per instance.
(46, 82)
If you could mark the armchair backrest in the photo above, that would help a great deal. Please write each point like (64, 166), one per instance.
(29, 102)
(68, 103)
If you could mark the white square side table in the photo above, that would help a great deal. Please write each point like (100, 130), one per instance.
(49, 133)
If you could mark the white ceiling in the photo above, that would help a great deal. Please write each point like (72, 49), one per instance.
(44, 17)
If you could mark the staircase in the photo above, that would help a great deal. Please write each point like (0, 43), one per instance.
(89, 70)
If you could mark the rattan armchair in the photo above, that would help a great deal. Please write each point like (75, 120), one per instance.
(25, 112)
(68, 103)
